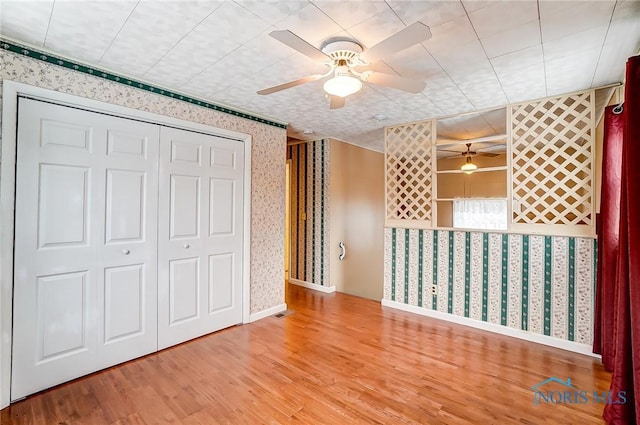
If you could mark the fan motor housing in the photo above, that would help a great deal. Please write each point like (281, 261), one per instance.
(347, 50)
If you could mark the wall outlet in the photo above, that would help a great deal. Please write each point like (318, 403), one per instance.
(434, 289)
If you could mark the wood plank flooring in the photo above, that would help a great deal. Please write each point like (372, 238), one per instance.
(337, 359)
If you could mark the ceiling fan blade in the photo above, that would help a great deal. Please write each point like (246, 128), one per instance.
(290, 84)
(413, 34)
(487, 154)
(394, 81)
(296, 43)
(336, 102)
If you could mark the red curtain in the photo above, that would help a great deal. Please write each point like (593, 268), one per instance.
(617, 330)
(608, 235)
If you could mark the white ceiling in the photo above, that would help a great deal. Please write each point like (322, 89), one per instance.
(482, 54)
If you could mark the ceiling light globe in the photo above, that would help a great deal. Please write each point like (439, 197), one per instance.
(469, 167)
(342, 85)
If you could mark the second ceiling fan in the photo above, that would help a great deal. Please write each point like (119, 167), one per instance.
(343, 56)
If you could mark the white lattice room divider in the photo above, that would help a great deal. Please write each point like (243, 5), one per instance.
(552, 147)
(408, 165)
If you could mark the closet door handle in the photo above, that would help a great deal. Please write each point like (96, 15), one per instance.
(186, 246)
(126, 251)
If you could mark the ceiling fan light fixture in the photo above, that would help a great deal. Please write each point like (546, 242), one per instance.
(469, 167)
(343, 84)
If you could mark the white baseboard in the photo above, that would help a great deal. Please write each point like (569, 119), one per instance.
(267, 312)
(492, 327)
(314, 286)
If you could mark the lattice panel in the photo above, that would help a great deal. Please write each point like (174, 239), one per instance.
(551, 160)
(408, 171)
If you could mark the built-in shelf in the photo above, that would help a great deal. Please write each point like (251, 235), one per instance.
(502, 198)
(448, 142)
(477, 170)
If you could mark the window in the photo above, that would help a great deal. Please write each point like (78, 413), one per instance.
(480, 214)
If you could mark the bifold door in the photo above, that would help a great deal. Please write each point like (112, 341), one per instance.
(87, 294)
(200, 235)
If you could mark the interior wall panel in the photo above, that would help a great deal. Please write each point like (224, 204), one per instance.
(536, 283)
(310, 211)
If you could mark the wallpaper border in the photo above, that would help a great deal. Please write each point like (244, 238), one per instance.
(96, 72)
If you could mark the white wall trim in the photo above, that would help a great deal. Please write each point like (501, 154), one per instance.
(268, 312)
(314, 286)
(246, 250)
(11, 91)
(491, 327)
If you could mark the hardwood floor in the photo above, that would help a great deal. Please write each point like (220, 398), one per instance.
(337, 359)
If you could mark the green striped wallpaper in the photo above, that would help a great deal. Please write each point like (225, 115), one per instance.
(309, 212)
(536, 283)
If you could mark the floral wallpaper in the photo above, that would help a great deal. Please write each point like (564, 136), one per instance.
(267, 157)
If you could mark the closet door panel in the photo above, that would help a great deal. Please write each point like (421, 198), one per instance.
(200, 235)
(127, 253)
(85, 252)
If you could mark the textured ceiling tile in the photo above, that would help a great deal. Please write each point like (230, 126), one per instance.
(627, 8)
(440, 86)
(229, 55)
(559, 19)
(512, 40)
(481, 86)
(509, 64)
(86, 29)
(451, 34)
(432, 13)
(461, 59)
(473, 5)
(268, 47)
(454, 105)
(571, 73)
(528, 83)
(151, 31)
(588, 40)
(311, 25)
(212, 39)
(414, 62)
(273, 11)
(503, 16)
(26, 21)
(376, 29)
(349, 13)
(623, 41)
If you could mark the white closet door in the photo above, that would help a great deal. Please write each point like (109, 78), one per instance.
(200, 235)
(85, 266)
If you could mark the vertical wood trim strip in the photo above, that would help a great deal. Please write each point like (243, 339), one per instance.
(525, 282)
(313, 212)
(485, 275)
(467, 272)
(420, 265)
(505, 280)
(572, 288)
(450, 292)
(393, 263)
(322, 212)
(434, 299)
(306, 215)
(406, 266)
(547, 285)
(297, 148)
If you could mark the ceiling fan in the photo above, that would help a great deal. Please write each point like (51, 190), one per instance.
(469, 167)
(347, 61)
